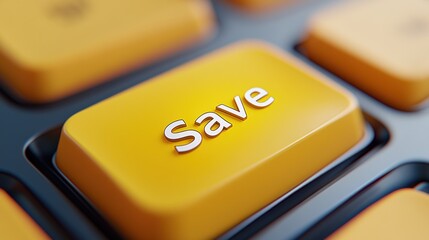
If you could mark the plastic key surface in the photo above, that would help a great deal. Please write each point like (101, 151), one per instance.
(381, 46)
(403, 214)
(15, 223)
(191, 153)
(50, 49)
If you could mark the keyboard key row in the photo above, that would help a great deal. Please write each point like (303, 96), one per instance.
(379, 46)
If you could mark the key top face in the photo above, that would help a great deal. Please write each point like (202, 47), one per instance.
(15, 223)
(380, 46)
(184, 155)
(403, 214)
(52, 48)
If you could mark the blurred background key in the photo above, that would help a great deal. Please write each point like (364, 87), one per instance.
(50, 49)
(380, 46)
(400, 215)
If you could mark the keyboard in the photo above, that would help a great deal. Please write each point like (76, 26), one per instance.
(222, 119)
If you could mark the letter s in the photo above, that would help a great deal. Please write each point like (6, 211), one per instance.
(168, 133)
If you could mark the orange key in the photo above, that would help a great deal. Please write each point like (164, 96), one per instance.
(381, 46)
(403, 214)
(15, 223)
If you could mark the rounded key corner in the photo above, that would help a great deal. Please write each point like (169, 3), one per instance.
(375, 136)
(362, 57)
(29, 211)
(395, 210)
(16, 96)
(300, 49)
(15, 221)
(41, 70)
(404, 192)
(10, 185)
(402, 180)
(35, 99)
(41, 151)
(42, 145)
(26, 82)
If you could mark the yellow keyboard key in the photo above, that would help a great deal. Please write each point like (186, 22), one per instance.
(15, 223)
(191, 153)
(53, 48)
(403, 214)
(381, 46)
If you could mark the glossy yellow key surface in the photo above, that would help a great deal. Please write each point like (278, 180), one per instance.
(278, 124)
(403, 214)
(53, 48)
(381, 46)
(15, 223)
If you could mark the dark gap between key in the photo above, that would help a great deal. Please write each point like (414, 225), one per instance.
(260, 220)
(28, 202)
(303, 56)
(41, 152)
(410, 175)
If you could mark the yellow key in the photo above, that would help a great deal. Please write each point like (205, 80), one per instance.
(191, 153)
(15, 223)
(50, 49)
(403, 214)
(381, 46)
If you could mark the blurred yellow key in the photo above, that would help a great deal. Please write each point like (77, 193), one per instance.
(15, 223)
(53, 48)
(403, 214)
(191, 153)
(381, 46)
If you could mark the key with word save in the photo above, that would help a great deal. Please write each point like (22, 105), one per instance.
(191, 153)
(50, 49)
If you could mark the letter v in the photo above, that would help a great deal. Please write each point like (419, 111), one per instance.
(240, 114)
